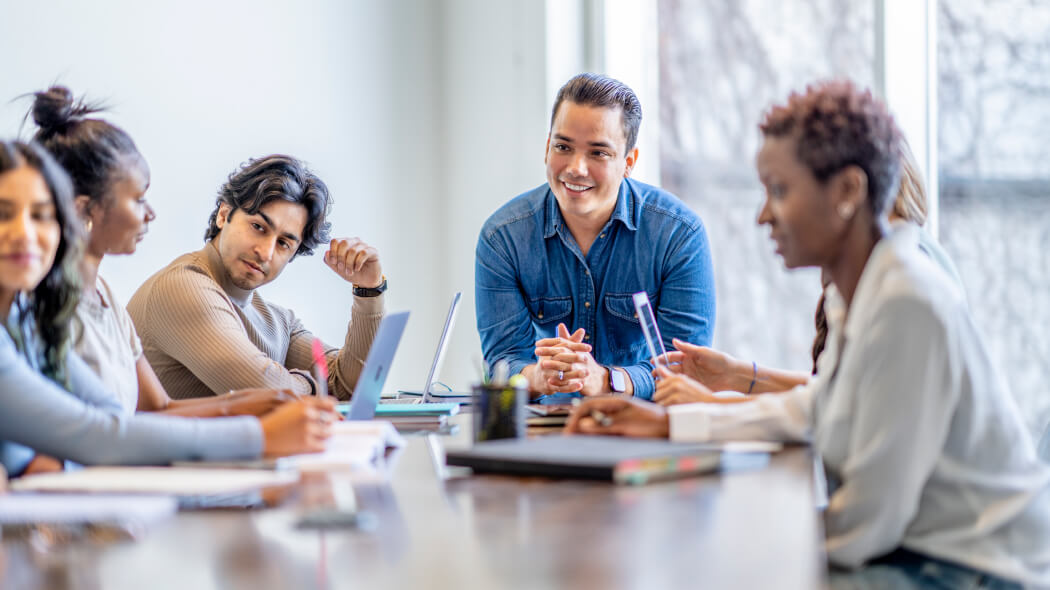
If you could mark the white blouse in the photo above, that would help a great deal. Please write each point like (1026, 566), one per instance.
(922, 442)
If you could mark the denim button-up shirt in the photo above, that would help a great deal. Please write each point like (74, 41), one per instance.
(530, 275)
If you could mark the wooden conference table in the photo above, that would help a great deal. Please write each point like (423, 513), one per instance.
(748, 529)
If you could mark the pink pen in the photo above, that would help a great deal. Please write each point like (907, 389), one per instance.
(320, 370)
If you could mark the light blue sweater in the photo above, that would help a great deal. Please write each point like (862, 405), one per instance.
(86, 426)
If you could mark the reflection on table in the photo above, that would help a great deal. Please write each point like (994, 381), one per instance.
(437, 527)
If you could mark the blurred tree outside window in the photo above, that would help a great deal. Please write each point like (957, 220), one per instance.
(722, 63)
(994, 168)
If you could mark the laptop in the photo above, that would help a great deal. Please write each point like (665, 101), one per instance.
(620, 460)
(427, 394)
(377, 366)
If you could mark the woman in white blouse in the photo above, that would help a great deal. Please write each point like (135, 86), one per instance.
(932, 474)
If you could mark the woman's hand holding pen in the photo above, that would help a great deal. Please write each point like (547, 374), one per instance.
(672, 389)
(298, 427)
(714, 369)
(619, 415)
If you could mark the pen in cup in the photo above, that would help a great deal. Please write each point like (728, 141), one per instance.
(320, 370)
(500, 373)
(483, 370)
(598, 416)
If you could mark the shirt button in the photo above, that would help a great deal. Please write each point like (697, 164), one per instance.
(601, 236)
(586, 303)
(587, 337)
(540, 315)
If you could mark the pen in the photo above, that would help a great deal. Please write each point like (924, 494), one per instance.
(601, 418)
(598, 416)
(320, 370)
(500, 373)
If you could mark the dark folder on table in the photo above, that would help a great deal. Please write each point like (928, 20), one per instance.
(616, 459)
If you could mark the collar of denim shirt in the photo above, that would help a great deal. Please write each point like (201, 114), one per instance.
(625, 211)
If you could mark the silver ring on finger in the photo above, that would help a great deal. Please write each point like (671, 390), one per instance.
(561, 375)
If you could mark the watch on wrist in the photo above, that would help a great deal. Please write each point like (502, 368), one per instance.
(370, 291)
(617, 383)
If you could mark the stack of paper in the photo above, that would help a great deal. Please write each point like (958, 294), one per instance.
(353, 443)
(417, 415)
(176, 481)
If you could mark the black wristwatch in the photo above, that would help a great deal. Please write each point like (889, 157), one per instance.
(617, 383)
(370, 291)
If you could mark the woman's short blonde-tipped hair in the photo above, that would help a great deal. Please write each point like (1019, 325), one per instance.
(911, 203)
(837, 124)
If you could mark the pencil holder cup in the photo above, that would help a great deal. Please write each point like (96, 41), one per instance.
(499, 411)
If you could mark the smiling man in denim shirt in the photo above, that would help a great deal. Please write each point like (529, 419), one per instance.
(572, 252)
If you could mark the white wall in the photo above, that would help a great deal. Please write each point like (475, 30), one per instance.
(422, 116)
(494, 129)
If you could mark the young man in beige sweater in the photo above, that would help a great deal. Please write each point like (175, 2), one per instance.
(205, 329)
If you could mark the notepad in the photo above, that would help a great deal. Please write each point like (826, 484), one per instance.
(31, 508)
(175, 481)
(353, 443)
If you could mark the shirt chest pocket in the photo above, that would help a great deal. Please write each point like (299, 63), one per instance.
(548, 310)
(625, 331)
(621, 306)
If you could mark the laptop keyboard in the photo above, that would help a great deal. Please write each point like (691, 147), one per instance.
(403, 400)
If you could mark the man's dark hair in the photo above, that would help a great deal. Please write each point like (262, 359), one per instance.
(266, 179)
(597, 90)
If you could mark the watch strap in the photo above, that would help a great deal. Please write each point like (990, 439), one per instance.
(370, 291)
(617, 382)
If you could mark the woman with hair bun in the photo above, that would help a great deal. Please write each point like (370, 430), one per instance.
(50, 401)
(110, 178)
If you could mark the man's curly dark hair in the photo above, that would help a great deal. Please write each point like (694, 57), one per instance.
(836, 125)
(277, 176)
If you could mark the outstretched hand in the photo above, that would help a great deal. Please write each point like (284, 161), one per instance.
(712, 368)
(623, 416)
(673, 389)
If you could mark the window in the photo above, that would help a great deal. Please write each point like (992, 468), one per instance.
(721, 64)
(968, 81)
(994, 168)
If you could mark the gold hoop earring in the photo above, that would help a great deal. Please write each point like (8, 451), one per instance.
(88, 224)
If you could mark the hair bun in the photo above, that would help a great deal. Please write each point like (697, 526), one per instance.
(55, 108)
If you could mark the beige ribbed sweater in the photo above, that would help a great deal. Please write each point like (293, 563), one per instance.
(205, 336)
